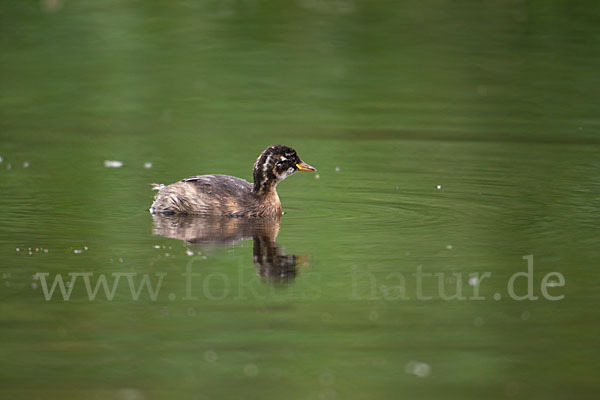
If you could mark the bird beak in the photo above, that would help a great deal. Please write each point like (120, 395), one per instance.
(305, 167)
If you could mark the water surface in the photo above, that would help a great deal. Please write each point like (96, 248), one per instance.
(449, 139)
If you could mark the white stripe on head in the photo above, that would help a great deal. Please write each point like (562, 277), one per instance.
(266, 164)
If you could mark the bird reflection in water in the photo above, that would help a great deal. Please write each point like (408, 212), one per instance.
(271, 261)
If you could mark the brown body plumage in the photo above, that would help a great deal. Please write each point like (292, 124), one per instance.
(231, 196)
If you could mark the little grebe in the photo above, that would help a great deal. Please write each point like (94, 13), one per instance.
(228, 195)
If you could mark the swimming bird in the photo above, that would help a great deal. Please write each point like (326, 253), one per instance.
(231, 196)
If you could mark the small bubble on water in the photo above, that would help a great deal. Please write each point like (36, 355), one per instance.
(417, 368)
(30, 253)
(45, 250)
(438, 187)
(250, 370)
(337, 169)
(85, 248)
(211, 356)
(18, 249)
(473, 281)
(120, 259)
(26, 164)
(148, 165)
(449, 247)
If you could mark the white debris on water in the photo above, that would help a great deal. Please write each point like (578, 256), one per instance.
(148, 165)
(189, 253)
(120, 259)
(18, 249)
(45, 250)
(26, 164)
(337, 169)
(473, 281)
(438, 187)
(449, 247)
(113, 164)
(157, 246)
(417, 368)
(78, 251)
(1, 159)
(317, 176)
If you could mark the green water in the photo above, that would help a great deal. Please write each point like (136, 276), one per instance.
(449, 137)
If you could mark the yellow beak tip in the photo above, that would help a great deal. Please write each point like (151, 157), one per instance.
(305, 167)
